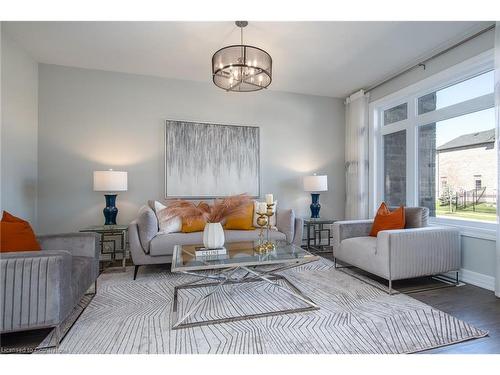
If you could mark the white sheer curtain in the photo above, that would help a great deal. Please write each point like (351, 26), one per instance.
(497, 116)
(356, 156)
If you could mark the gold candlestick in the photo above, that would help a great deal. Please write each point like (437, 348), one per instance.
(269, 212)
(262, 222)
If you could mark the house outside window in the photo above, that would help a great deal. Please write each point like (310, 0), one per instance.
(427, 140)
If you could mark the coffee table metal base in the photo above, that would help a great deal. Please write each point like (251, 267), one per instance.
(225, 277)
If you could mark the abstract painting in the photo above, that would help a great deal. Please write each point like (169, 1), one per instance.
(205, 160)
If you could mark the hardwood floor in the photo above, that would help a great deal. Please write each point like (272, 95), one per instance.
(474, 305)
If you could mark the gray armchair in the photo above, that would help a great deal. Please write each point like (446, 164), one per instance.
(418, 250)
(39, 289)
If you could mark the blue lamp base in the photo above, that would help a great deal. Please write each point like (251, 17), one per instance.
(315, 206)
(110, 211)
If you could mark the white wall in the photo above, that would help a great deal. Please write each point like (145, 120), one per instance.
(19, 98)
(90, 120)
(478, 255)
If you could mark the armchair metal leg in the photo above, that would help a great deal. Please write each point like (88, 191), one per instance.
(136, 269)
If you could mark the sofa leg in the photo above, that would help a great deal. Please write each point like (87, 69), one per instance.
(136, 269)
(390, 287)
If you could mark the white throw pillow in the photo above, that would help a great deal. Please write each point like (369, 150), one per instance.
(172, 225)
(256, 215)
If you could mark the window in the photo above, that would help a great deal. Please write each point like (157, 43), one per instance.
(458, 148)
(480, 85)
(439, 150)
(396, 114)
(395, 168)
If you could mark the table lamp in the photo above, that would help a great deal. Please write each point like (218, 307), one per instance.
(110, 181)
(314, 184)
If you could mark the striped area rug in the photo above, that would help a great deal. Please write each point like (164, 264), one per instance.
(128, 316)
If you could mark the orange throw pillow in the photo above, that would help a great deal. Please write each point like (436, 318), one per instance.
(387, 220)
(195, 225)
(16, 235)
(243, 221)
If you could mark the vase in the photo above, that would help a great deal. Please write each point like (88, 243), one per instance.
(213, 236)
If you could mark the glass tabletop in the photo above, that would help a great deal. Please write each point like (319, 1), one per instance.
(319, 221)
(105, 228)
(238, 254)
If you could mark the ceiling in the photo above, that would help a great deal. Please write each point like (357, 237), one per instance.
(318, 58)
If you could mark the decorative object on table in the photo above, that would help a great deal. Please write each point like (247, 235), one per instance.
(205, 160)
(113, 241)
(240, 67)
(262, 221)
(213, 236)
(317, 227)
(201, 252)
(213, 215)
(110, 181)
(269, 213)
(272, 222)
(314, 184)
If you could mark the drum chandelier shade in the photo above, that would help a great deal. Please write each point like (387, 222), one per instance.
(241, 67)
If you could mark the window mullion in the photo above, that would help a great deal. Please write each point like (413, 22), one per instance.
(411, 155)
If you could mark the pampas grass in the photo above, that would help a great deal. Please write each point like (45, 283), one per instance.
(220, 210)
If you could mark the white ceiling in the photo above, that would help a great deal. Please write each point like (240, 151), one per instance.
(319, 58)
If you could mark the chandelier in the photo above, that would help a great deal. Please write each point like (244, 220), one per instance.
(241, 67)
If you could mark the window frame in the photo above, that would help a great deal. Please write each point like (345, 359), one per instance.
(470, 68)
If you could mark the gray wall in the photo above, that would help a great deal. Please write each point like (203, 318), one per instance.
(91, 120)
(478, 255)
(19, 103)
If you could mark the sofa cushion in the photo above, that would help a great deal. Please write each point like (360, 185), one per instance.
(163, 244)
(147, 225)
(362, 253)
(416, 217)
(285, 221)
(82, 276)
(361, 245)
(251, 235)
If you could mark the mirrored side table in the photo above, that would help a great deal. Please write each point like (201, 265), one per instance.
(318, 231)
(113, 240)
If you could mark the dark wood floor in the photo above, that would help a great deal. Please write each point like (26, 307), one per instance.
(474, 305)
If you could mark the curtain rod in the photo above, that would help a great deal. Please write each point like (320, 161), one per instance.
(422, 62)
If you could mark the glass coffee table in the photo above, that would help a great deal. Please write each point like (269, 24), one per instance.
(241, 264)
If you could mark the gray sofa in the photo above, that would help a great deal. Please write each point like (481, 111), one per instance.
(418, 250)
(39, 289)
(149, 246)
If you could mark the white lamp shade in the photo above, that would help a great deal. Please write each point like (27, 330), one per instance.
(110, 181)
(316, 183)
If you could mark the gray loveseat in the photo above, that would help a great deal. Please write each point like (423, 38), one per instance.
(418, 250)
(149, 246)
(39, 289)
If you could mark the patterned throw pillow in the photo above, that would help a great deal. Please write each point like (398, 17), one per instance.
(172, 225)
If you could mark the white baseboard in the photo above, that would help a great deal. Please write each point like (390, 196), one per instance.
(477, 279)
